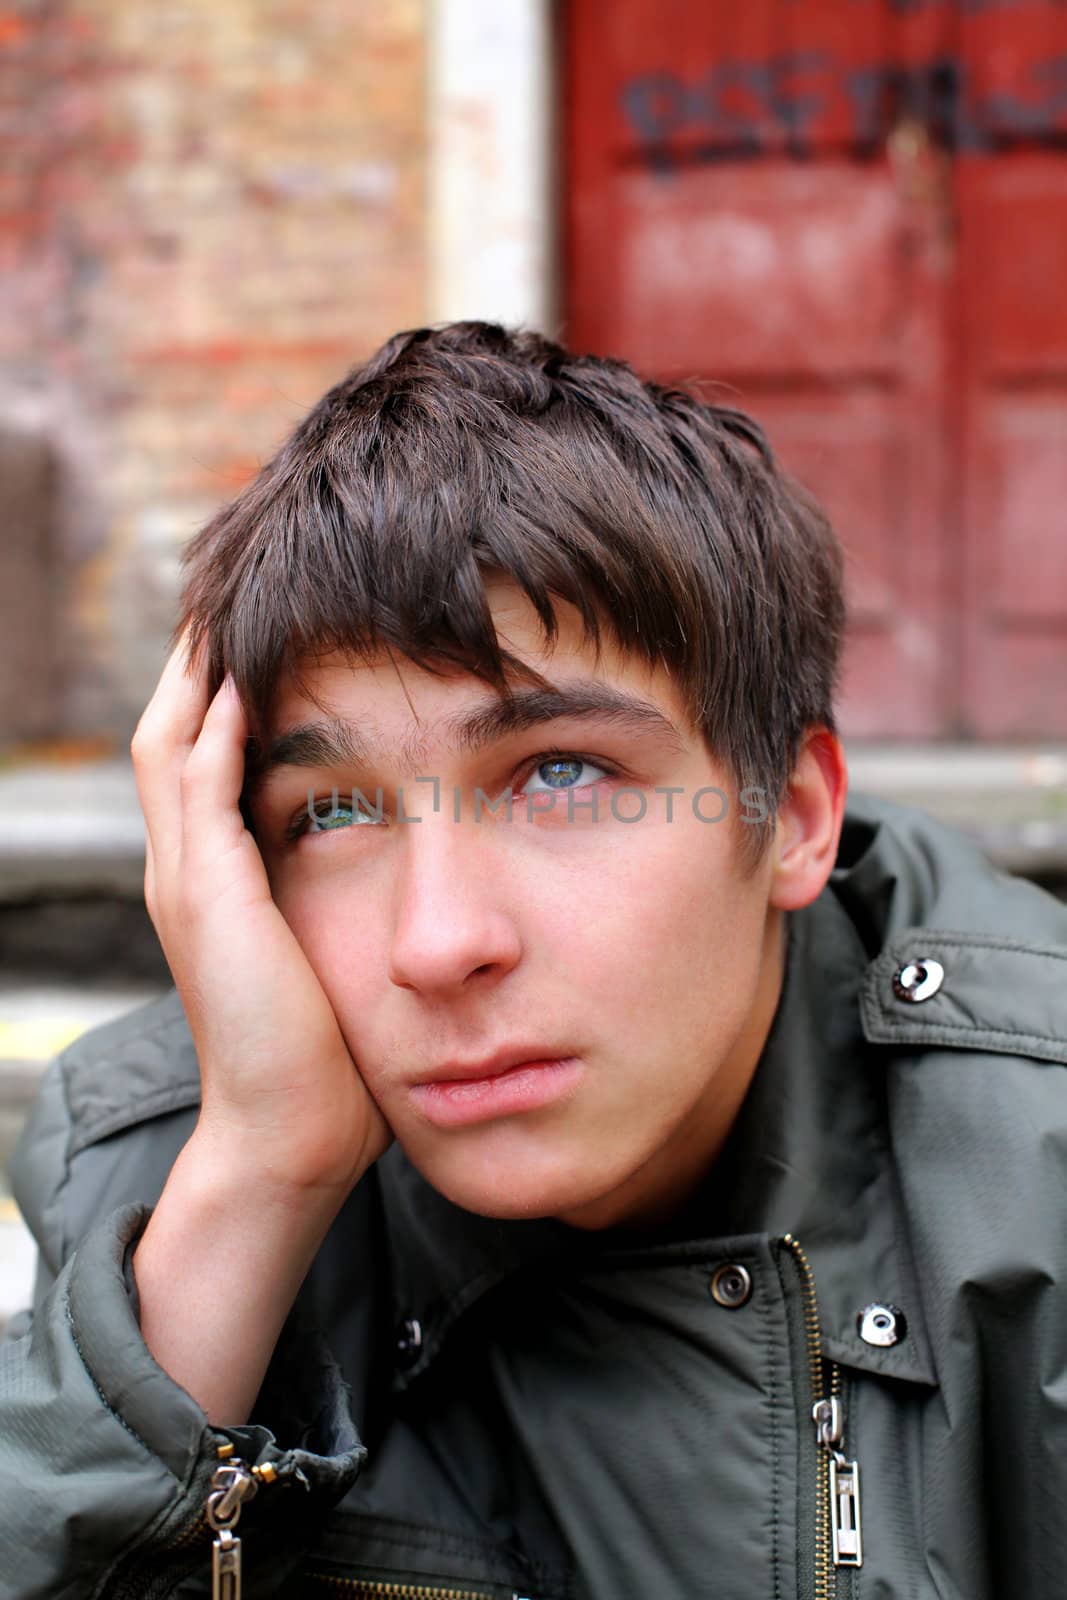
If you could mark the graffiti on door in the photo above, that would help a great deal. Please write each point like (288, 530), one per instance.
(782, 105)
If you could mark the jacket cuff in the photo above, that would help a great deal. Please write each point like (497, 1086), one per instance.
(104, 1311)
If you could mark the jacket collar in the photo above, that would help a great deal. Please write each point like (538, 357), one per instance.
(808, 1156)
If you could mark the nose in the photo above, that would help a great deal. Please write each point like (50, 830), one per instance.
(452, 931)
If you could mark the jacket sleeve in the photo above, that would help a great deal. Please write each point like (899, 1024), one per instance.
(105, 1462)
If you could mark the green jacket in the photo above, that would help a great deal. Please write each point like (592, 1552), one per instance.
(462, 1407)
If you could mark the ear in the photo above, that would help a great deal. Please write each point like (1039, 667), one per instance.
(808, 824)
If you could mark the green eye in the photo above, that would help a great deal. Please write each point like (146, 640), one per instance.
(325, 813)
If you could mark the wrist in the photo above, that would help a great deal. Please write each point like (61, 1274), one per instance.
(217, 1270)
(227, 1154)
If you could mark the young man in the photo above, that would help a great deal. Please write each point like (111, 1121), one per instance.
(569, 1165)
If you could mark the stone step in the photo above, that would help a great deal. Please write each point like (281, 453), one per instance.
(70, 829)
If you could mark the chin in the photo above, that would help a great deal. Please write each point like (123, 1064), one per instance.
(515, 1190)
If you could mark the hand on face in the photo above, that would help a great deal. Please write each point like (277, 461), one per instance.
(282, 1097)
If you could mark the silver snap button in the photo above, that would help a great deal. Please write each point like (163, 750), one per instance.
(731, 1285)
(882, 1325)
(919, 979)
(408, 1342)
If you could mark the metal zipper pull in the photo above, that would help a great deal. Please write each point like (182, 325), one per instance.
(234, 1482)
(845, 1527)
(226, 1567)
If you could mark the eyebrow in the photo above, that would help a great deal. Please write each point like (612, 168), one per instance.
(336, 742)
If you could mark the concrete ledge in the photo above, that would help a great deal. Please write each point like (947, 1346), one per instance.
(1012, 800)
(70, 830)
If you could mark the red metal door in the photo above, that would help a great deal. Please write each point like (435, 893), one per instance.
(799, 199)
(1012, 274)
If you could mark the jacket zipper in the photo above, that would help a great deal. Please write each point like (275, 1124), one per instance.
(838, 1532)
(233, 1483)
(151, 1574)
(374, 1589)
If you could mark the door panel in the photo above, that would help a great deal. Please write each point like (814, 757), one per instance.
(1012, 215)
(734, 219)
(1013, 234)
(853, 214)
(771, 271)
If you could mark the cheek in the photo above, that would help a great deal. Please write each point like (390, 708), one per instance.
(667, 911)
(337, 936)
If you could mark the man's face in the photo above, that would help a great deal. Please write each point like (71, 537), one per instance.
(638, 957)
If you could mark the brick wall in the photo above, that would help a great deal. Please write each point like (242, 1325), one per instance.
(209, 211)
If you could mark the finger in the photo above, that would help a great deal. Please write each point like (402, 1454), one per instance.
(161, 745)
(211, 784)
(149, 881)
(151, 901)
(179, 700)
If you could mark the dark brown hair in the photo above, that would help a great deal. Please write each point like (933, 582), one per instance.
(468, 448)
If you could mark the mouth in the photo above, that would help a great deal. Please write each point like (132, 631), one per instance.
(507, 1084)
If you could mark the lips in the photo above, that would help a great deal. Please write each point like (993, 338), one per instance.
(507, 1084)
(493, 1066)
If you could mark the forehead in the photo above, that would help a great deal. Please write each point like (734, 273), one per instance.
(350, 729)
(412, 704)
(344, 713)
